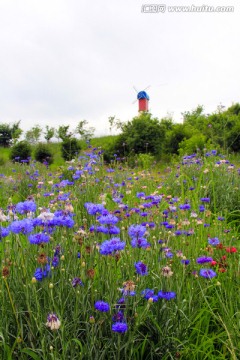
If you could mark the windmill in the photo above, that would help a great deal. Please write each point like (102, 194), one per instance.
(143, 99)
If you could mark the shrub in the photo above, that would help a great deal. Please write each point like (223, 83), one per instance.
(145, 161)
(143, 134)
(70, 148)
(43, 154)
(2, 161)
(197, 143)
(21, 151)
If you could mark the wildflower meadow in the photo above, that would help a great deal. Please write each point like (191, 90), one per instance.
(115, 262)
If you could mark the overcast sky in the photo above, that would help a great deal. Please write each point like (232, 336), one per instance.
(66, 60)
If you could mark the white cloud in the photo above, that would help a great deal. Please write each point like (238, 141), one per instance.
(63, 61)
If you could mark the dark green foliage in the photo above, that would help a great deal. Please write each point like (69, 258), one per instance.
(20, 151)
(175, 136)
(43, 154)
(233, 138)
(70, 148)
(143, 134)
(9, 133)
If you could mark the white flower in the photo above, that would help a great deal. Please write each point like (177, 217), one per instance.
(53, 321)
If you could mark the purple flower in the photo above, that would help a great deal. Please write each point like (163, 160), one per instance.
(167, 295)
(24, 226)
(140, 195)
(120, 327)
(4, 232)
(141, 268)
(93, 209)
(204, 259)
(118, 317)
(108, 219)
(108, 247)
(41, 273)
(25, 207)
(136, 231)
(185, 207)
(207, 273)
(102, 306)
(55, 261)
(206, 200)
(121, 303)
(38, 239)
(62, 220)
(140, 243)
(77, 281)
(185, 261)
(213, 241)
(147, 293)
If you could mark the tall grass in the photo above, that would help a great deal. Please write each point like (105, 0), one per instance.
(201, 321)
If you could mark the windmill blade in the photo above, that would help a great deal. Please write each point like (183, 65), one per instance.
(135, 89)
(146, 88)
(134, 101)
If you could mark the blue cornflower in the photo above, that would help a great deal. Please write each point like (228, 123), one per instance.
(77, 281)
(147, 293)
(120, 303)
(167, 295)
(185, 207)
(207, 273)
(101, 229)
(141, 268)
(24, 226)
(205, 200)
(213, 241)
(26, 206)
(204, 259)
(185, 261)
(119, 327)
(108, 247)
(201, 208)
(113, 230)
(140, 195)
(136, 231)
(4, 232)
(93, 209)
(108, 219)
(102, 306)
(38, 239)
(140, 243)
(41, 273)
(118, 317)
(150, 224)
(55, 261)
(62, 220)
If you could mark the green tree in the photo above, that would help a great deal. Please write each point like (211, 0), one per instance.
(9, 134)
(115, 123)
(63, 132)
(49, 133)
(86, 133)
(33, 135)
